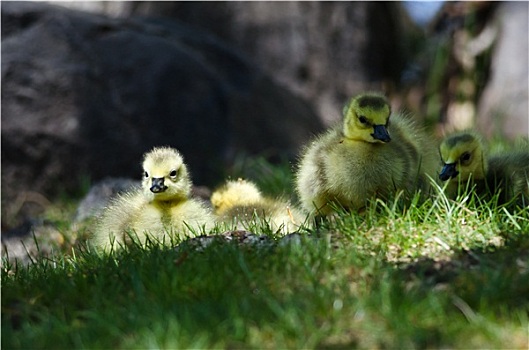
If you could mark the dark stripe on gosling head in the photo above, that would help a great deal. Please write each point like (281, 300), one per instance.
(377, 102)
(456, 139)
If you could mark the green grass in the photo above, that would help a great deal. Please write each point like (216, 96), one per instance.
(450, 274)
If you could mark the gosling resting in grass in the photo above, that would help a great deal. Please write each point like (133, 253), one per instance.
(373, 153)
(465, 159)
(241, 202)
(162, 208)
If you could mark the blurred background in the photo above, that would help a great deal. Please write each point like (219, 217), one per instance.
(88, 87)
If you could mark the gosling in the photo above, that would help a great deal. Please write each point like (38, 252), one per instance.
(374, 153)
(162, 209)
(465, 159)
(241, 202)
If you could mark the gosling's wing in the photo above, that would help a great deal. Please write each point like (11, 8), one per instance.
(417, 149)
(117, 218)
(311, 178)
(192, 217)
(235, 193)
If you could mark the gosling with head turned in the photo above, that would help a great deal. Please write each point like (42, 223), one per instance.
(162, 209)
(372, 154)
(241, 202)
(465, 159)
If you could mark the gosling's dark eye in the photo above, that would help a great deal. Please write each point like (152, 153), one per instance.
(146, 174)
(173, 173)
(362, 119)
(465, 157)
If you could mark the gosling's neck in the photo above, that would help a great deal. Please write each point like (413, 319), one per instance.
(352, 139)
(166, 199)
(482, 167)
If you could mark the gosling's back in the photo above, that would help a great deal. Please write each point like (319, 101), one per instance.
(508, 177)
(241, 203)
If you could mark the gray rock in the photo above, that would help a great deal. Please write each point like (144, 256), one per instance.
(323, 51)
(84, 96)
(241, 238)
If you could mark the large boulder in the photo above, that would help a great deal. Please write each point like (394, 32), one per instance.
(323, 51)
(85, 95)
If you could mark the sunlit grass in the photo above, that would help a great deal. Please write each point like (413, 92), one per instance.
(402, 274)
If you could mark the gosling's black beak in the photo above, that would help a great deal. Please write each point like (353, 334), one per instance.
(157, 185)
(381, 133)
(448, 171)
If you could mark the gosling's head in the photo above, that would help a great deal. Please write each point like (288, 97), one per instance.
(165, 175)
(462, 155)
(235, 193)
(366, 118)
